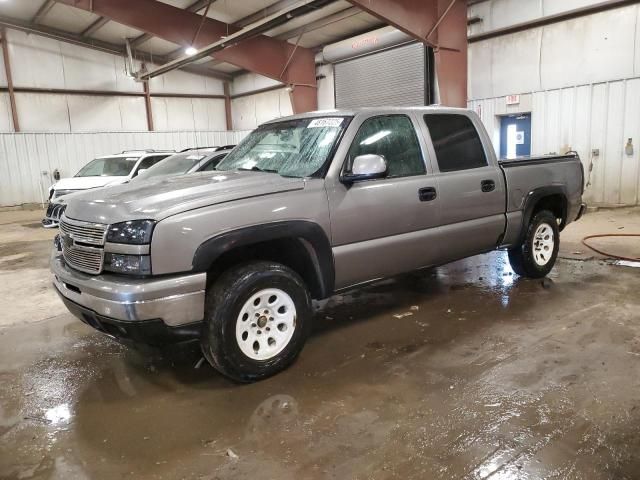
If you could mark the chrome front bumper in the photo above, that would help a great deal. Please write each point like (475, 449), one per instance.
(176, 300)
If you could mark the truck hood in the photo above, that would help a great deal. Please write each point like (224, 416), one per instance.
(160, 198)
(84, 183)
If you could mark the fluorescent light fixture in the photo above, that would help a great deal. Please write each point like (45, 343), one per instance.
(190, 50)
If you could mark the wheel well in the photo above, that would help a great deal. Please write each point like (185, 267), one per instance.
(556, 204)
(295, 253)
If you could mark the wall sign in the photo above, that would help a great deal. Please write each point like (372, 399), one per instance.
(513, 99)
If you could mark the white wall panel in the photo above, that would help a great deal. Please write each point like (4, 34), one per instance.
(86, 69)
(3, 75)
(250, 111)
(480, 82)
(614, 143)
(582, 77)
(90, 114)
(39, 62)
(509, 12)
(209, 114)
(39, 112)
(553, 7)
(27, 160)
(133, 113)
(173, 113)
(181, 82)
(36, 61)
(503, 13)
(630, 178)
(6, 122)
(590, 49)
(584, 118)
(515, 61)
(249, 82)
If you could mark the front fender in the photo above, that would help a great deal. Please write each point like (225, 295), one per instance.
(314, 239)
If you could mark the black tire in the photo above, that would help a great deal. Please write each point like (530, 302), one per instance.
(522, 258)
(224, 303)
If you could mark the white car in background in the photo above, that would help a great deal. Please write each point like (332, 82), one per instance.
(100, 172)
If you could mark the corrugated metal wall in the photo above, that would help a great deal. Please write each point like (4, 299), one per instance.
(580, 79)
(600, 116)
(27, 160)
(43, 63)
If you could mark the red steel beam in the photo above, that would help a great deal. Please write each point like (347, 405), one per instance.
(227, 106)
(147, 106)
(7, 69)
(441, 24)
(261, 54)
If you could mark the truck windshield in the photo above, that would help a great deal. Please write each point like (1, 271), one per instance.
(293, 148)
(108, 167)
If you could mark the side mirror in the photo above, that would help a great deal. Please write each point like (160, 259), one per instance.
(366, 167)
(142, 170)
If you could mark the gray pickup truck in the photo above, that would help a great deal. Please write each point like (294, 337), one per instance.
(304, 207)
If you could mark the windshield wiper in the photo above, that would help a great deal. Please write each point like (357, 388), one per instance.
(258, 169)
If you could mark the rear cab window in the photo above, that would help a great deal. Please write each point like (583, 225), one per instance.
(456, 142)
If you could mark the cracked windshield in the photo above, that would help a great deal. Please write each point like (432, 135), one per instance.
(295, 148)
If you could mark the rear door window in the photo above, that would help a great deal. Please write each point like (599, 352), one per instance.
(456, 142)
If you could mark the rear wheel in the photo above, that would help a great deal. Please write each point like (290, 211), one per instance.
(257, 319)
(537, 254)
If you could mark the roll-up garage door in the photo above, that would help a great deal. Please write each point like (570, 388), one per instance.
(394, 77)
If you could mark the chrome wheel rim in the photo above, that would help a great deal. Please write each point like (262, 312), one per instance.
(266, 324)
(543, 244)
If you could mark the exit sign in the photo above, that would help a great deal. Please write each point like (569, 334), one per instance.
(513, 99)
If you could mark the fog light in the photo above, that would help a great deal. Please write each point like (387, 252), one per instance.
(132, 264)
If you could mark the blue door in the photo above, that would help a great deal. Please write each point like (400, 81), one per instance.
(515, 136)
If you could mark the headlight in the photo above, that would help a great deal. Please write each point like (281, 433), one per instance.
(133, 264)
(60, 193)
(136, 232)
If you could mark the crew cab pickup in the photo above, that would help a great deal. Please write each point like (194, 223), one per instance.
(304, 207)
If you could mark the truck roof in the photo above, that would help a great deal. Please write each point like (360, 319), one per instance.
(382, 110)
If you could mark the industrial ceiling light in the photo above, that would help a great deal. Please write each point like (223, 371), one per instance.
(190, 50)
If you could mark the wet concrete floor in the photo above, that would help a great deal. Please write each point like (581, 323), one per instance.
(463, 372)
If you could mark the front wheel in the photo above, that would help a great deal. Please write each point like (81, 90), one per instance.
(537, 254)
(257, 319)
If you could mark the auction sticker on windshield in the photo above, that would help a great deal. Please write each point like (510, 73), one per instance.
(325, 122)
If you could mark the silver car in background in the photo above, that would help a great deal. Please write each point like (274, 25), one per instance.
(199, 159)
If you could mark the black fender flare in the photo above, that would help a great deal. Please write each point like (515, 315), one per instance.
(313, 237)
(532, 199)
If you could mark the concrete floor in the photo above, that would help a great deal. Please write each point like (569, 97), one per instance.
(464, 372)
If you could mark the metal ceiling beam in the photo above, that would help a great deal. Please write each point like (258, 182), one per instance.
(194, 7)
(94, 27)
(441, 24)
(319, 23)
(254, 52)
(43, 10)
(55, 34)
(264, 12)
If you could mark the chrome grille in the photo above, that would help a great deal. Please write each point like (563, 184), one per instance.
(84, 232)
(82, 244)
(85, 259)
(55, 210)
